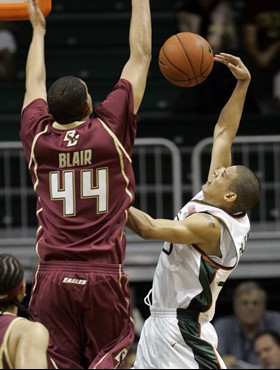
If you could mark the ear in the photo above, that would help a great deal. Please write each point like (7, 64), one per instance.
(230, 197)
(22, 291)
(88, 107)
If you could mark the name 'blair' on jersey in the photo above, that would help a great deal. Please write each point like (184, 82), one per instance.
(73, 159)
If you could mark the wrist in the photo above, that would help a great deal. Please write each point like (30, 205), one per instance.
(39, 30)
(244, 82)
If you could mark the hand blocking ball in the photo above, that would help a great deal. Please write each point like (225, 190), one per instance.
(186, 59)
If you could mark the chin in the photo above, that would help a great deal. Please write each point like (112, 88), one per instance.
(204, 189)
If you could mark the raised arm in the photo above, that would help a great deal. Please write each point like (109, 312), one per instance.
(140, 41)
(230, 116)
(35, 79)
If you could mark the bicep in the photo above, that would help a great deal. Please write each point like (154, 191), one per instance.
(136, 73)
(172, 232)
(192, 230)
(33, 94)
(221, 155)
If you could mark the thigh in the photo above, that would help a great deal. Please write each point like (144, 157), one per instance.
(161, 346)
(90, 324)
(55, 304)
(176, 344)
(110, 317)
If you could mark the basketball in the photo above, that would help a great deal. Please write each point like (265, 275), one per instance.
(186, 59)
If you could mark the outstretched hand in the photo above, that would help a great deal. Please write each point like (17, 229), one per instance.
(236, 66)
(36, 16)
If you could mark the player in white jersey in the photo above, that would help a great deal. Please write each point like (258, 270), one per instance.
(202, 247)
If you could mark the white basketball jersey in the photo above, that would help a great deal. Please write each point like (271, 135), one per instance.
(186, 277)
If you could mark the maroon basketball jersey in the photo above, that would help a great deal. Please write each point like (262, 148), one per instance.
(83, 178)
(6, 323)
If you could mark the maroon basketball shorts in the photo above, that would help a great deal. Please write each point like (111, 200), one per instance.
(86, 308)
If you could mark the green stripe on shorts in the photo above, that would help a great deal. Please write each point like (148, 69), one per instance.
(203, 352)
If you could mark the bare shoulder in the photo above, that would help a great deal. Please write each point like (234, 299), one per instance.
(26, 328)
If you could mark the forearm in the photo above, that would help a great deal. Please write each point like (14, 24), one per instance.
(228, 123)
(140, 36)
(230, 116)
(35, 65)
(138, 222)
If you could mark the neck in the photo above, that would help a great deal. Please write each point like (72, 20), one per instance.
(10, 310)
(221, 206)
(68, 126)
(250, 330)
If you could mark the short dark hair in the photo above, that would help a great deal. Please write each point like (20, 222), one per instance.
(67, 99)
(247, 186)
(273, 334)
(11, 276)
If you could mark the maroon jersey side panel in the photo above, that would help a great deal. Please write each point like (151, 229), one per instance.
(5, 321)
(83, 178)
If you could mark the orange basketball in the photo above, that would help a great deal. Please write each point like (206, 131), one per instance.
(186, 59)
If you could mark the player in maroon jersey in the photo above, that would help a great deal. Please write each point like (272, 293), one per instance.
(82, 174)
(23, 344)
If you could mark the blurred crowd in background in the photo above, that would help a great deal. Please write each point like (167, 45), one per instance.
(247, 28)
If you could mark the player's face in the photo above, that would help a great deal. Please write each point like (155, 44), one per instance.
(267, 352)
(218, 184)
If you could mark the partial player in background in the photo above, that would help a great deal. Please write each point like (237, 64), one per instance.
(82, 174)
(203, 245)
(23, 344)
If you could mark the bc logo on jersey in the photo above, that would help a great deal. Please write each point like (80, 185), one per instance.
(71, 137)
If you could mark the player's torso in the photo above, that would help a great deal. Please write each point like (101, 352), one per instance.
(84, 181)
(185, 277)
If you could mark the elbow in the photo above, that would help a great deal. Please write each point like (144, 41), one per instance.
(142, 52)
(145, 56)
(147, 52)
